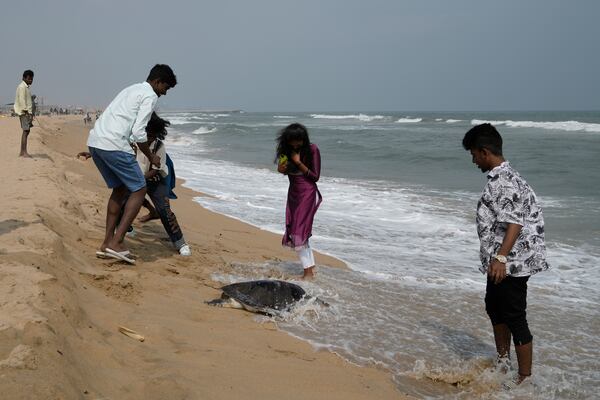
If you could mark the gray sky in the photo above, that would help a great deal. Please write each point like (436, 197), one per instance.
(310, 55)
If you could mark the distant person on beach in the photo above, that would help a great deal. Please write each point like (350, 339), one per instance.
(160, 182)
(23, 107)
(300, 160)
(510, 226)
(122, 124)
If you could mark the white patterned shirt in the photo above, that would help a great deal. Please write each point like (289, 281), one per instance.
(507, 198)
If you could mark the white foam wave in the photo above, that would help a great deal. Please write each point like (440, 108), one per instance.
(572, 126)
(184, 120)
(180, 141)
(360, 117)
(408, 120)
(284, 116)
(218, 115)
(204, 130)
(453, 121)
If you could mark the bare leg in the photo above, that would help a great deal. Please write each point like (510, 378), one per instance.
(152, 214)
(309, 273)
(132, 208)
(24, 145)
(524, 358)
(502, 337)
(113, 210)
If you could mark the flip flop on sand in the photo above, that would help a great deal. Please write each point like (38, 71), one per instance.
(126, 253)
(118, 256)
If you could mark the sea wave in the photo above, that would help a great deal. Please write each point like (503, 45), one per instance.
(284, 116)
(452, 121)
(408, 120)
(553, 125)
(204, 130)
(176, 120)
(360, 117)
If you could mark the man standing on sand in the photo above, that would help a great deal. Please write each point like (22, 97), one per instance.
(118, 127)
(510, 226)
(24, 109)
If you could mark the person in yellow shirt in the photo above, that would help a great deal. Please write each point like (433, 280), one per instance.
(24, 109)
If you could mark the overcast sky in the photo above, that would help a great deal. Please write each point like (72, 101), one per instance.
(310, 55)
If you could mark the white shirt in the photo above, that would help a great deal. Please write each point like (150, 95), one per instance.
(145, 163)
(23, 101)
(508, 199)
(124, 120)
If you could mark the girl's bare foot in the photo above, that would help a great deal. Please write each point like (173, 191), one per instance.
(309, 273)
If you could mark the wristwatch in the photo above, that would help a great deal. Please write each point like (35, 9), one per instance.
(500, 258)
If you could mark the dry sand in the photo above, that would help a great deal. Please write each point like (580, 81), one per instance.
(60, 307)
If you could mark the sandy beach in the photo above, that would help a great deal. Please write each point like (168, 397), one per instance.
(61, 307)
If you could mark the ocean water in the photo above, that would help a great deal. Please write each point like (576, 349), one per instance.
(399, 208)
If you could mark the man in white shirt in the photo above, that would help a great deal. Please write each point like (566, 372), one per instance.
(24, 109)
(122, 124)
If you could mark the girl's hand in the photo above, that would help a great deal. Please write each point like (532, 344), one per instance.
(295, 158)
(282, 167)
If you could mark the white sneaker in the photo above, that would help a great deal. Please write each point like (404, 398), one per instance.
(130, 233)
(185, 250)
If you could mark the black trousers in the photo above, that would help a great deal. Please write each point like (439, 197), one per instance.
(505, 303)
(159, 194)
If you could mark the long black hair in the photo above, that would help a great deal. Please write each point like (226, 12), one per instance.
(291, 132)
(157, 126)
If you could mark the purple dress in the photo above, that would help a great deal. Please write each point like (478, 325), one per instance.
(303, 201)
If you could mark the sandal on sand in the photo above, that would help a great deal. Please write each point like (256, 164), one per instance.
(131, 334)
(119, 256)
(126, 253)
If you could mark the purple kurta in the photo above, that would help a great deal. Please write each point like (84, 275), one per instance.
(303, 201)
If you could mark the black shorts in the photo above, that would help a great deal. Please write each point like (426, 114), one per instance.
(505, 303)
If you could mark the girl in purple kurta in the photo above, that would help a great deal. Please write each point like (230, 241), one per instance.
(301, 162)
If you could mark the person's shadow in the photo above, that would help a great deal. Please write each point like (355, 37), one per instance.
(460, 342)
(40, 155)
(9, 225)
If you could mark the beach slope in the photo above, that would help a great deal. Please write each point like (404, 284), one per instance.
(61, 307)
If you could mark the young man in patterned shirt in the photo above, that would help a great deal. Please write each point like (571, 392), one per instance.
(510, 226)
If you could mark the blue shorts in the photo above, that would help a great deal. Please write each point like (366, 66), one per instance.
(119, 168)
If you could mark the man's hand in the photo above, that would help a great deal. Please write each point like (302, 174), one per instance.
(497, 271)
(152, 175)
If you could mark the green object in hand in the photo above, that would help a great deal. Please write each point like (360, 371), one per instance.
(283, 159)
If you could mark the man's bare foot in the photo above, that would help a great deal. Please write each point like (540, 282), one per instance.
(516, 381)
(148, 217)
(114, 245)
(25, 155)
(309, 273)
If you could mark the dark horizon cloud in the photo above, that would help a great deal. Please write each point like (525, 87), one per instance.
(311, 55)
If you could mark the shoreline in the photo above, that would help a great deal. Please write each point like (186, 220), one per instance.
(62, 308)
